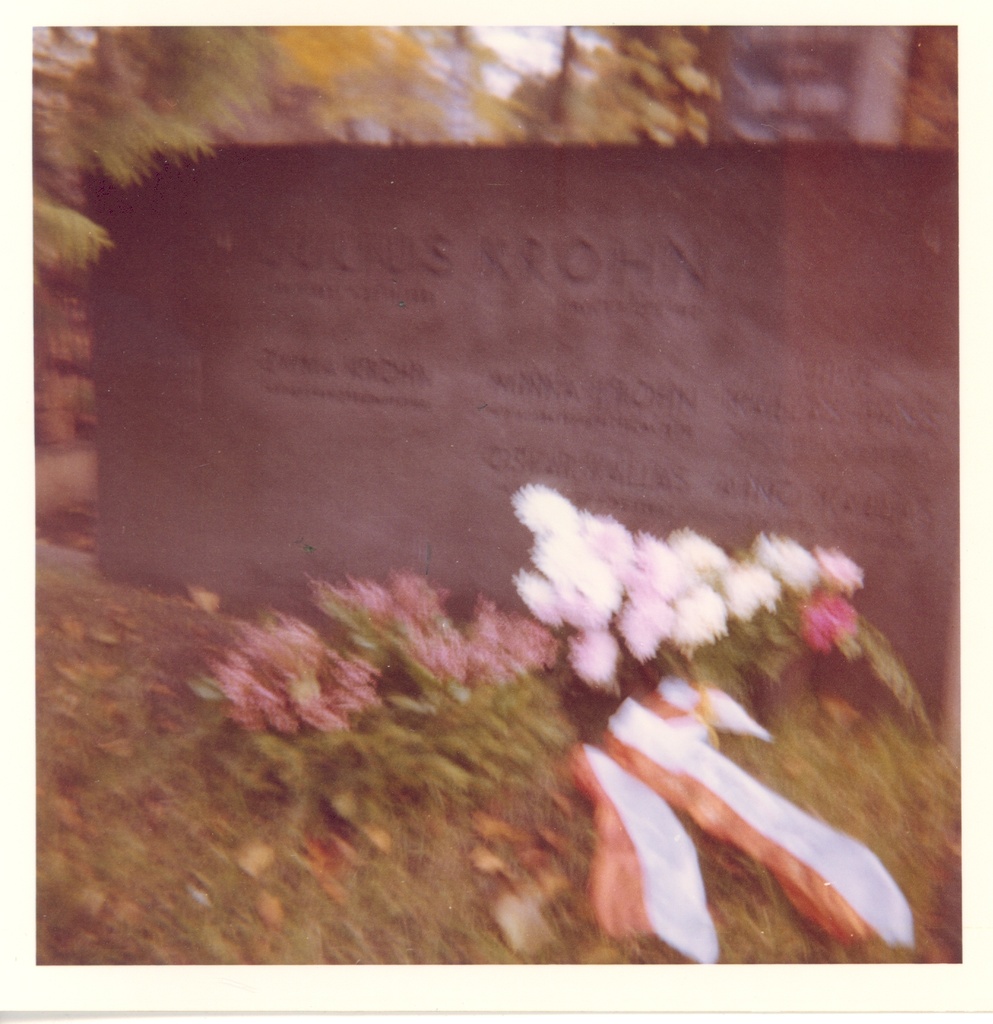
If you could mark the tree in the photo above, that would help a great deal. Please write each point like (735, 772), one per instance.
(622, 85)
(119, 102)
(931, 114)
(361, 84)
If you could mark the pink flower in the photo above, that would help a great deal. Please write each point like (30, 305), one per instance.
(283, 675)
(645, 623)
(373, 599)
(828, 619)
(838, 570)
(415, 600)
(503, 646)
(593, 654)
(407, 599)
(442, 651)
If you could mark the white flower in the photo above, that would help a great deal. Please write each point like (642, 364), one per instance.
(609, 541)
(644, 624)
(540, 596)
(793, 564)
(701, 617)
(582, 579)
(544, 511)
(702, 555)
(838, 570)
(748, 587)
(593, 654)
(657, 569)
(581, 612)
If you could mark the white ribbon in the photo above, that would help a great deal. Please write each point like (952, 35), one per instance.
(727, 714)
(674, 896)
(854, 871)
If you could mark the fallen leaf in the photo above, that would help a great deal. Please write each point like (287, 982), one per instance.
(552, 883)
(72, 627)
(270, 910)
(328, 862)
(105, 635)
(533, 858)
(562, 802)
(67, 700)
(487, 862)
(345, 804)
(68, 812)
(347, 851)
(122, 747)
(379, 837)
(74, 673)
(92, 900)
(557, 842)
(840, 711)
(520, 918)
(89, 670)
(102, 670)
(601, 953)
(490, 827)
(128, 912)
(198, 894)
(204, 599)
(122, 615)
(255, 857)
(205, 687)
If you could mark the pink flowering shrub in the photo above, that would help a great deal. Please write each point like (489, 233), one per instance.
(282, 675)
(405, 621)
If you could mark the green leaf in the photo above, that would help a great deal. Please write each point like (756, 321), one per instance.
(449, 771)
(891, 671)
(64, 237)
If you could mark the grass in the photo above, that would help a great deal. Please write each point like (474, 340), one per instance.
(167, 834)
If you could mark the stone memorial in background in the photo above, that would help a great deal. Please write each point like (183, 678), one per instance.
(329, 361)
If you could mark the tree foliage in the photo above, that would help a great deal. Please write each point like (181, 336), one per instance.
(118, 102)
(368, 84)
(931, 116)
(122, 101)
(627, 85)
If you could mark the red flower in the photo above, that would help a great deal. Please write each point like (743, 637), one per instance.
(827, 620)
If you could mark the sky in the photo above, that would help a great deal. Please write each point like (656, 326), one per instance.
(524, 51)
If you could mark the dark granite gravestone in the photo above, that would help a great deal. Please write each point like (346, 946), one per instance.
(314, 362)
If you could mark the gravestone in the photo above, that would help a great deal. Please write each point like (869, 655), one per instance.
(818, 82)
(326, 361)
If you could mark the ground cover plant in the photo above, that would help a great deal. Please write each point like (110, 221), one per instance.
(438, 824)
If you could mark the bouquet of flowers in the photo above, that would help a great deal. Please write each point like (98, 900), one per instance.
(683, 605)
(684, 608)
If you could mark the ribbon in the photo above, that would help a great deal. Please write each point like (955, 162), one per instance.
(828, 876)
(645, 876)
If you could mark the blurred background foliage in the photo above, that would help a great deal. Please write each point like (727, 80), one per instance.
(121, 102)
